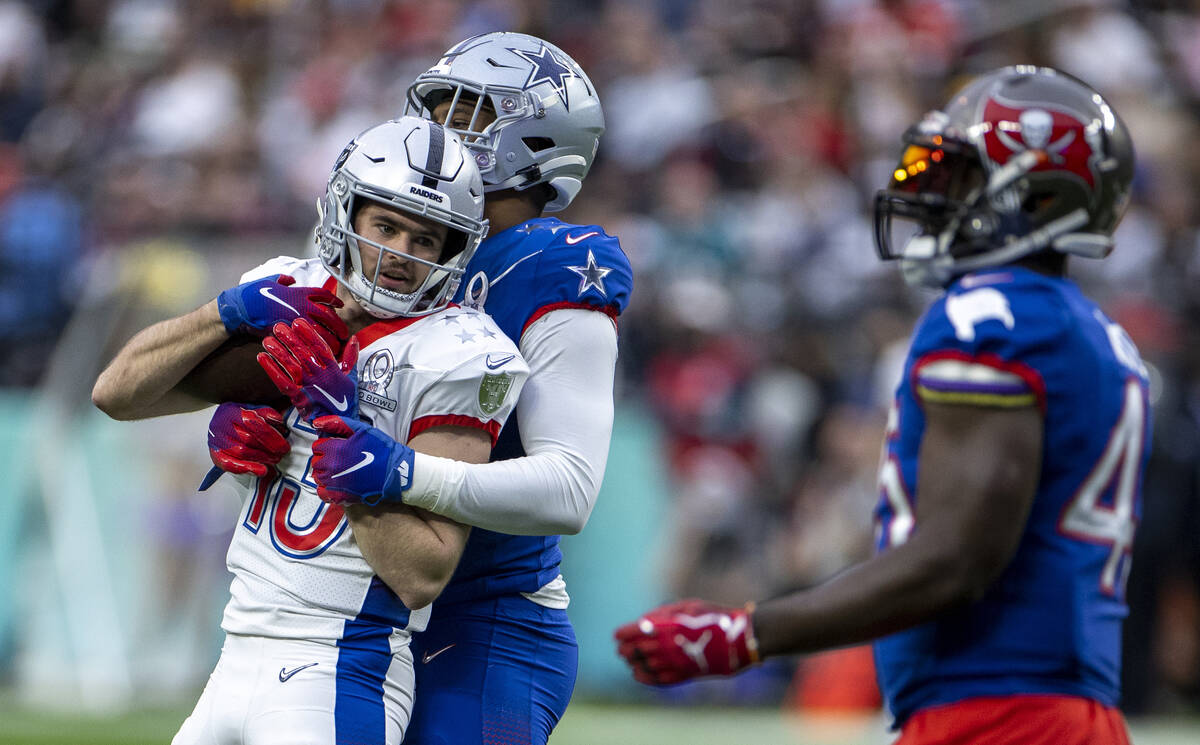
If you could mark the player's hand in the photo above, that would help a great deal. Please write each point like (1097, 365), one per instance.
(244, 438)
(255, 307)
(355, 463)
(684, 640)
(303, 367)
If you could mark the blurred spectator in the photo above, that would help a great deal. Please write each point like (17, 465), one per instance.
(42, 241)
(22, 68)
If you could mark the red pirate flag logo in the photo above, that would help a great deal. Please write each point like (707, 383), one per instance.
(1062, 136)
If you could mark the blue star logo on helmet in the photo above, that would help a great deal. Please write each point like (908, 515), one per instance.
(547, 68)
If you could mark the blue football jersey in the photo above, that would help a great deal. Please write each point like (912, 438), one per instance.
(518, 276)
(1051, 623)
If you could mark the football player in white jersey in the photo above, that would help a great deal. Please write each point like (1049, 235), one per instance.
(324, 599)
(498, 661)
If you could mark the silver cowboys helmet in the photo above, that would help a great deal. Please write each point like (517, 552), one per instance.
(548, 116)
(416, 166)
(1023, 159)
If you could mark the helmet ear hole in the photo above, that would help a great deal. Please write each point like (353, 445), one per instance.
(537, 144)
(456, 241)
(1035, 202)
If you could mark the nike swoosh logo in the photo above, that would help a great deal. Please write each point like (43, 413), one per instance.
(425, 658)
(573, 239)
(367, 460)
(266, 292)
(492, 364)
(338, 403)
(285, 674)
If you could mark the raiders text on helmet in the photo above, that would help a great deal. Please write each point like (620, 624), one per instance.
(1023, 159)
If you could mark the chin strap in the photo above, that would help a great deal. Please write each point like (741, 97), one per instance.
(1088, 245)
(1046, 236)
(926, 262)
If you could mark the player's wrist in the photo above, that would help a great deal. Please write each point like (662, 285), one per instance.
(749, 639)
(429, 479)
(400, 470)
(230, 310)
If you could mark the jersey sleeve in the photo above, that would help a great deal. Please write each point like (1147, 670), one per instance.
(306, 271)
(480, 374)
(580, 267)
(473, 394)
(985, 346)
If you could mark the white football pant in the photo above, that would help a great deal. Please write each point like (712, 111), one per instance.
(291, 692)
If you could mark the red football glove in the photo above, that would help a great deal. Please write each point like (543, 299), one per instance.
(243, 438)
(303, 368)
(684, 640)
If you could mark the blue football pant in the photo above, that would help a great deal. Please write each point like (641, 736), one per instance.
(498, 671)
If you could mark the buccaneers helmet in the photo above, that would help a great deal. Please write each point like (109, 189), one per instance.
(548, 116)
(1021, 160)
(417, 166)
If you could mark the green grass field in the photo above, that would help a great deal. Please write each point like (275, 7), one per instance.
(585, 724)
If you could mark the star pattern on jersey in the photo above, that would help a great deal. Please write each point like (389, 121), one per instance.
(451, 319)
(466, 336)
(591, 275)
(530, 228)
(547, 68)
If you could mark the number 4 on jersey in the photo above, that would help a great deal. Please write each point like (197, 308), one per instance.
(1087, 517)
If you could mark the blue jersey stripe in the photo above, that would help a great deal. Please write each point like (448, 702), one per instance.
(364, 656)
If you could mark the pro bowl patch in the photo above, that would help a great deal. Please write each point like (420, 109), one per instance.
(493, 389)
(376, 378)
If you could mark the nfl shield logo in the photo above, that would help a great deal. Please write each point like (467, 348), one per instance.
(492, 391)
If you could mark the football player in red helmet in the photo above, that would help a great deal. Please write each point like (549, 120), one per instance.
(1010, 486)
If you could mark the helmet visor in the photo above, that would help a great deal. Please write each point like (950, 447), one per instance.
(939, 168)
(935, 181)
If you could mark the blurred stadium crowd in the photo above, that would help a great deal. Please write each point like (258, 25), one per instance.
(745, 143)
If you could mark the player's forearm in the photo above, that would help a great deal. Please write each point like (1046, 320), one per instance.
(138, 382)
(549, 493)
(907, 586)
(978, 475)
(413, 556)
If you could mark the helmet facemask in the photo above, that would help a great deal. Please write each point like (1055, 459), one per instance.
(483, 123)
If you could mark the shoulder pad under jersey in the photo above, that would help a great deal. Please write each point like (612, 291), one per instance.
(544, 265)
(985, 341)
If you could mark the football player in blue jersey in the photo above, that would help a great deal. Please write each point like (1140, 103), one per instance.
(498, 664)
(1012, 468)
(498, 661)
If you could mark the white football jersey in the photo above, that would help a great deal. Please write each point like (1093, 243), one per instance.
(298, 572)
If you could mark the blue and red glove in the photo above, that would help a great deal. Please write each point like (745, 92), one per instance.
(355, 463)
(303, 367)
(687, 639)
(255, 307)
(244, 438)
